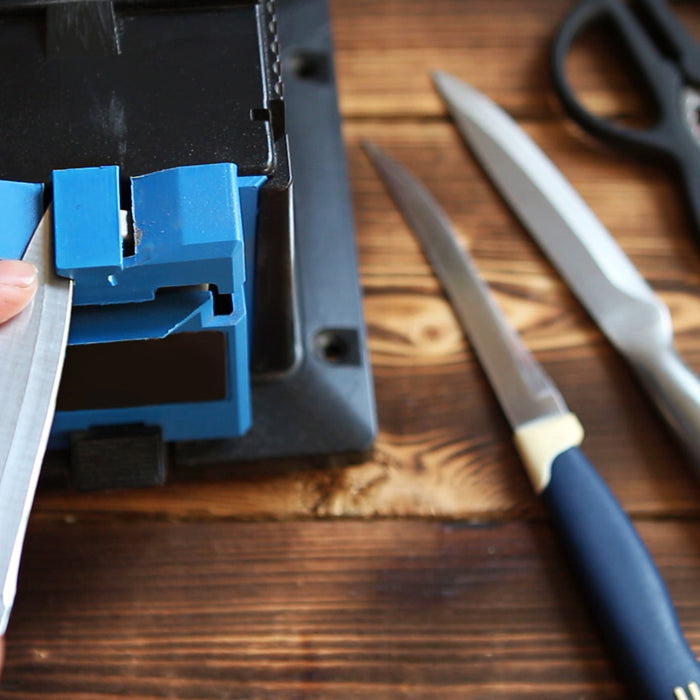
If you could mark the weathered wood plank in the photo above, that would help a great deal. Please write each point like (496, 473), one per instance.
(112, 609)
(385, 53)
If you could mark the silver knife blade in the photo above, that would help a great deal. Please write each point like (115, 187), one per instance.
(524, 390)
(582, 249)
(32, 348)
(614, 569)
(594, 266)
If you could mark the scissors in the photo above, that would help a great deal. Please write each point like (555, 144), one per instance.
(667, 60)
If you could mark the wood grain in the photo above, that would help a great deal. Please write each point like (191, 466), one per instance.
(385, 54)
(335, 609)
(454, 586)
(444, 448)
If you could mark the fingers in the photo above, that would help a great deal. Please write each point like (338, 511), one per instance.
(18, 282)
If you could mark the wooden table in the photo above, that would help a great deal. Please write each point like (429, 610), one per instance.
(429, 570)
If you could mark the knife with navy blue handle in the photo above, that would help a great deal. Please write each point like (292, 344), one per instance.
(621, 582)
(619, 578)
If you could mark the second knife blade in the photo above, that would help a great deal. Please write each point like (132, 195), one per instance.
(594, 266)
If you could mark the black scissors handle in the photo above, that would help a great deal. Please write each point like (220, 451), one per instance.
(668, 138)
(676, 41)
(661, 79)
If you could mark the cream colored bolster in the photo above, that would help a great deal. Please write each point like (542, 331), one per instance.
(541, 441)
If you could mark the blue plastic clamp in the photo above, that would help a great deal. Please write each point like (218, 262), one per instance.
(192, 232)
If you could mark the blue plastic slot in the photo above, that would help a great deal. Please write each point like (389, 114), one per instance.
(86, 213)
(21, 204)
(193, 230)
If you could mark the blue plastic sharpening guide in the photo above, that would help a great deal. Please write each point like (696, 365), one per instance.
(189, 244)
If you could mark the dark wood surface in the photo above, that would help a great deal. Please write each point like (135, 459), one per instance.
(429, 570)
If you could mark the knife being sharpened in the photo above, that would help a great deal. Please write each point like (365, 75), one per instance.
(594, 266)
(623, 585)
(32, 348)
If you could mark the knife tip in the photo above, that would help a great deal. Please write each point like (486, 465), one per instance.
(439, 76)
(445, 82)
(376, 155)
(368, 146)
(461, 97)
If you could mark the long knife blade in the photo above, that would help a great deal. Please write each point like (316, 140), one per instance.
(524, 390)
(594, 266)
(32, 348)
(612, 564)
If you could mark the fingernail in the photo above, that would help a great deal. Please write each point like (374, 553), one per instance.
(17, 273)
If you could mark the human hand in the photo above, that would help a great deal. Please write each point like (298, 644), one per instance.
(18, 282)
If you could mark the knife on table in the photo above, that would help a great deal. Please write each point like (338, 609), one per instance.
(594, 266)
(622, 583)
(32, 349)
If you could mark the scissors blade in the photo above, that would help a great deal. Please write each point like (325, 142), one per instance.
(525, 392)
(587, 256)
(32, 347)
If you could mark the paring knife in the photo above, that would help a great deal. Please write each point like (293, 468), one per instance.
(617, 572)
(594, 266)
(32, 348)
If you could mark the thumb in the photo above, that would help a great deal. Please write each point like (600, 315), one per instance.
(18, 283)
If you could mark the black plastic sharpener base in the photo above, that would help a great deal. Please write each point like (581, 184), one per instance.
(312, 386)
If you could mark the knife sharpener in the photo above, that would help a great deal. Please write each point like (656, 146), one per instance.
(217, 307)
